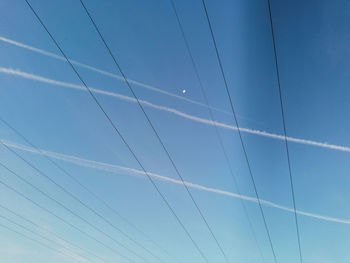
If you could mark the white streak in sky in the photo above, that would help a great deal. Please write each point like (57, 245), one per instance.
(109, 74)
(173, 111)
(70, 252)
(131, 171)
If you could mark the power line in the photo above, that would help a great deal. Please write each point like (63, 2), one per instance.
(238, 129)
(43, 237)
(33, 240)
(52, 233)
(81, 202)
(284, 130)
(82, 185)
(211, 115)
(118, 132)
(71, 211)
(63, 220)
(155, 131)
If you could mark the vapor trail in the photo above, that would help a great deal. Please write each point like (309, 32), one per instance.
(173, 111)
(109, 74)
(131, 171)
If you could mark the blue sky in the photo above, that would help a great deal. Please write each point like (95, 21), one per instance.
(43, 99)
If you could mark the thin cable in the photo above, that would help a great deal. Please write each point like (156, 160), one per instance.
(285, 131)
(78, 200)
(211, 116)
(81, 185)
(63, 220)
(82, 203)
(118, 132)
(154, 130)
(34, 240)
(52, 233)
(238, 129)
(71, 211)
(43, 237)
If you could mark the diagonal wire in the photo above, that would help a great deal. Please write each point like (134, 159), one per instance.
(82, 185)
(154, 130)
(52, 233)
(211, 115)
(71, 211)
(43, 237)
(63, 220)
(120, 135)
(285, 130)
(33, 240)
(238, 129)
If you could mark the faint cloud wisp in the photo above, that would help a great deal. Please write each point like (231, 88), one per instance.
(173, 111)
(131, 171)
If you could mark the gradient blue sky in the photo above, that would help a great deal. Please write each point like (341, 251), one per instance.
(313, 39)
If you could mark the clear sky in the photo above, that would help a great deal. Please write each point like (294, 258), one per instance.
(43, 99)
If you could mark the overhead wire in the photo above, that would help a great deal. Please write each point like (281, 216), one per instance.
(83, 204)
(284, 130)
(72, 212)
(34, 240)
(44, 237)
(82, 185)
(238, 129)
(211, 116)
(63, 220)
(53, 233)
(154, 131)
(119, 133)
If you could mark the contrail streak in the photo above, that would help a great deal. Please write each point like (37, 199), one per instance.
(173, 111)
(109, 74)
(131, 171)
